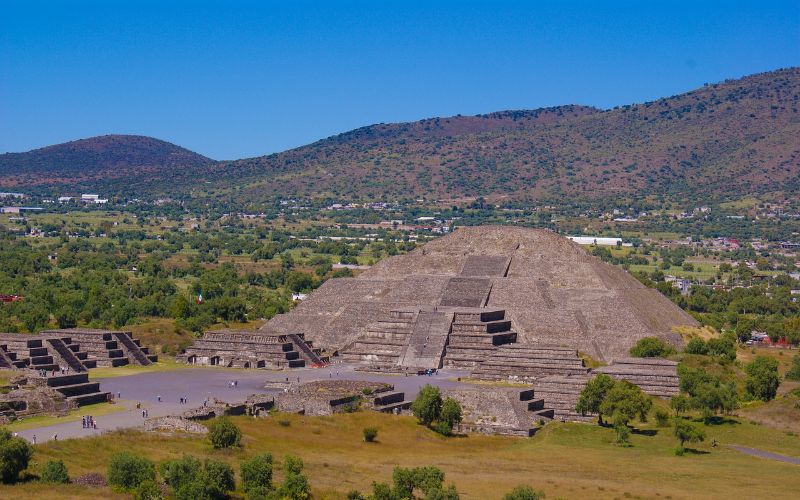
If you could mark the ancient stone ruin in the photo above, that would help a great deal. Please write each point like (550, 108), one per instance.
(108, 348)
(462, 299)
(326, 397)
(251, 349)
(31, 394)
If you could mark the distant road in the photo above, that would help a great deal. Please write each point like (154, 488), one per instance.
(765, 454)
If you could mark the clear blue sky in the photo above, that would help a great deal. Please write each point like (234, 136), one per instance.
(234, 79)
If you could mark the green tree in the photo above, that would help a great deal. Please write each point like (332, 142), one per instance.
(55, 472)
(687, 432)
(592, 396)
(680, 403)
(257, 472)
(624, 402)
(295, 485)
(450, 414)
(428, 405)
(523, 493)
(222, 433)
(126, 470)
(762, 378)
(15, 453)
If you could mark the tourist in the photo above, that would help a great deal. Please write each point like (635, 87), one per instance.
(55, 437)
(34, 439)
(119, 395)
(158, 398)
(143, 414)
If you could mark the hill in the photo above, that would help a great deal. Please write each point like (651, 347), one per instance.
(722, 141)
(110, 160)
(728, 139)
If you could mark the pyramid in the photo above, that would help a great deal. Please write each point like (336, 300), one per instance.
(550, 289)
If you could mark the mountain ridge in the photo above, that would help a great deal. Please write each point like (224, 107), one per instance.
(731, 138)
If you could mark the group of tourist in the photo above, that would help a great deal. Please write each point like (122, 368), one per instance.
(89, 422)
(233, 383)
(44, 373)
(184, 400)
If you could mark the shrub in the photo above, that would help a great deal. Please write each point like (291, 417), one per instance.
(55, 471)
(293, 464)
(295, 484)
(366, 391)
(127, 471)
(443, 428)
(696, 346)
(651, 347)
(370, 433)
(762, 378)
(176, 473)
(148, 490)
(15, 453)
(794, 371)
(218, 476)
(523, 493)
(724, 347)
(257, 472)
(223, 433)
(623, 435)
(284, 423)
(662, 418)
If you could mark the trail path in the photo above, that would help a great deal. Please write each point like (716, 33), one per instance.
(765, 454)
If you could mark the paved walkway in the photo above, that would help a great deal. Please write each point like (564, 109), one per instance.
(196, 384)
(765, 454)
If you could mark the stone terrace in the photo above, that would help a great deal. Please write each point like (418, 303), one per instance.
(109, 348)
(250, 349)
(655, 376)
(512, 412)
(48, 352)
(528, 362)
(560, 395)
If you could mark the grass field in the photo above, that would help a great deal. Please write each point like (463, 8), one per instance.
(564, 460)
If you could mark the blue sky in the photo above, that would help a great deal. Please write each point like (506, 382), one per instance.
(237, 79)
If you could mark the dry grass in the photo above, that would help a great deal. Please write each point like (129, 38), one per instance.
(564, 460)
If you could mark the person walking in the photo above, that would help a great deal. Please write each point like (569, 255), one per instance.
(34, 439)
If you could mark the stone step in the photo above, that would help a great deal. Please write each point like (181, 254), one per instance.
(389, 408)
(91, 398)
(496, 326)
(78, 389)
(389, 398)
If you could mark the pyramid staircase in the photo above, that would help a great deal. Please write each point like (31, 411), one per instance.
(476, 335)
(385, 341)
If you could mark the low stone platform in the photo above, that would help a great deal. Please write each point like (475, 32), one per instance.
(250, 349)
(527, 362)
(326, 397)
(655, 376)
(504, 411)
(560, 395)
(107, 348)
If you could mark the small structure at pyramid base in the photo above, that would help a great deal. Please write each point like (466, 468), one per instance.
(251, 349)
(105, 348)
